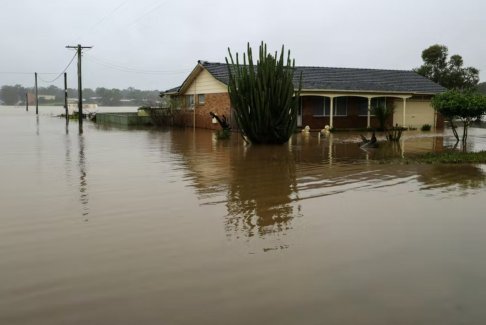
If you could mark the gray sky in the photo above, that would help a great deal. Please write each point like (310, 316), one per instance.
(154, 44)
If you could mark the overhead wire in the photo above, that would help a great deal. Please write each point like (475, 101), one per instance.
(151, 10)
(101, 20)
(107, 63)
(24, 73)
(123, 68)
(60, 74)
(108, 15)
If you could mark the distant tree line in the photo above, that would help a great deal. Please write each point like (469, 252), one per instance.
(482, 87)
(13, 95)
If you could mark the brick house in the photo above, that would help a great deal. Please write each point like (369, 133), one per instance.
(337, 97)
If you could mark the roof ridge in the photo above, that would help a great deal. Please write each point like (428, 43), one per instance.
(350, 68)
(203, 62)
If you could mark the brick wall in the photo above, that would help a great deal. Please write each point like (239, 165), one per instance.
(217, 103)
(352, 121)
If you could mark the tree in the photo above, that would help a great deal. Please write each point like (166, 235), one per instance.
(263, 96)
(115, 97)
(11, 95)
(88, 93)
(482, 87)
(448, 73)
(51, 90)
(454, 105)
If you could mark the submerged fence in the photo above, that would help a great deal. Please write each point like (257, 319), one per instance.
(123, 119)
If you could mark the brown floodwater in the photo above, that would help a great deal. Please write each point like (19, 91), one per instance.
(119, 226)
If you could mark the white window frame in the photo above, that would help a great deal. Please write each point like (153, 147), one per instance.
(335, 104)
(373, 105)
(199, 101)
(190, 102)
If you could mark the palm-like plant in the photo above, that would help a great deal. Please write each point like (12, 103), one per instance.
(263, 96)
(383, 113)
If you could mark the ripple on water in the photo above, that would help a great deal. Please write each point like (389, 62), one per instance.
(135, 226)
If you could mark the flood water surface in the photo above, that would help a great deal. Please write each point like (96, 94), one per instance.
(118, 226)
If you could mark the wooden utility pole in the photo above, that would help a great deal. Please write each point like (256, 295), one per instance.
(36, 97)
(79, 49)
(27, 102)
(66, 97)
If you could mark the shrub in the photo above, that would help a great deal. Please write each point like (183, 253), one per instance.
(465, 106)
(394, 134)
(382, 113)
(263, 96)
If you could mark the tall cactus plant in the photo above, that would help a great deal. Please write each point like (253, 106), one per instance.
(263, 96)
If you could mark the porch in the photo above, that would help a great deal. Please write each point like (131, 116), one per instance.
(349, 111)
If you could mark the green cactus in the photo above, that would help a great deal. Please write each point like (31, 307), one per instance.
(263, 96)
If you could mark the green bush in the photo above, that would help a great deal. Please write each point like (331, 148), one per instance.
(426, 127)
(464, 106)
(383, 113)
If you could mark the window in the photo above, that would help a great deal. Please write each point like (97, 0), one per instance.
(318, 105)
(378, 102)
(340, 106)
(375, 102)
(190, 101)
(321, 106)
(201, 99)
(362, 106)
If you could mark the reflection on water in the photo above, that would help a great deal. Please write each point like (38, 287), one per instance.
(263, 187)
(457, 180)
(79, 166)
(187, 229)
(256, 184)
(83, 182)
(37, 128)
(259, 201)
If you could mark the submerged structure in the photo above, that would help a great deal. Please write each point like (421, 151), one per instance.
(341, 98)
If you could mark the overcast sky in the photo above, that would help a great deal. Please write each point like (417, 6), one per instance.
(154, 44)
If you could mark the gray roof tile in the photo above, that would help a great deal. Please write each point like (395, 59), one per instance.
(349, 79)
(172, 90)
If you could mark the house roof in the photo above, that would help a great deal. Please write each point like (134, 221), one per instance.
(174, 90)
(346, 79)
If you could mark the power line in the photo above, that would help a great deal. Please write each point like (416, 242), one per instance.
(123, 68)
(45, 73)
(108, 15)
(60, 74)
(133, 22)
(113, 11)
(25, 73)
(151, 10)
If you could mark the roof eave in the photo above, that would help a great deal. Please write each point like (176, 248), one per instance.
(190, 79)
(171, 93)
